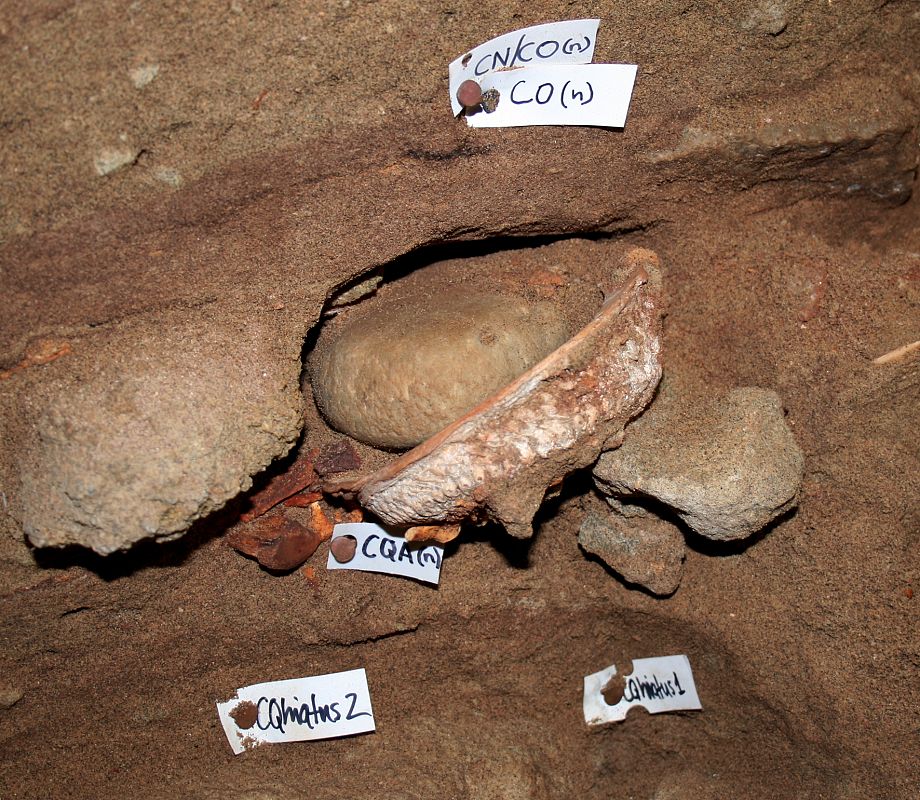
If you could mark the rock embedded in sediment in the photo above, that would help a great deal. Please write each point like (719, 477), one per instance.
(151, 425)
(499, 460)
(728, 464)
(394, 373)
(646, 551)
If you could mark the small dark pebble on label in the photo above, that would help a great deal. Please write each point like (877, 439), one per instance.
(490, 100)
(343, 548)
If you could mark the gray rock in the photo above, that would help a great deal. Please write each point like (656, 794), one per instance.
(112, 159)
(144, 74)
(156, 425)
(766, 17)
(648, 551)
(391, 374)
(727, 465)
(168, 175)
(9, 696)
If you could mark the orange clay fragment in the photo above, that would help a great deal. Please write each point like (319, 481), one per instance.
(42, 351)
(303, 500)
(433, 533)
(498, 460)
(299, 476)
(320, 523)
(350, 515)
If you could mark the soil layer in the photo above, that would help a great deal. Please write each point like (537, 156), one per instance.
(281, 152)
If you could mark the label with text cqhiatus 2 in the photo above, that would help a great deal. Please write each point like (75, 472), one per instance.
(296, 710)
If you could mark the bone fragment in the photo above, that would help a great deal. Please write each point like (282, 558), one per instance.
(497, 461)
(442, 534)
(897, 354)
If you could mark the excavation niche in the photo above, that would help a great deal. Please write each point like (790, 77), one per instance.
(398, 358)
(505, 373)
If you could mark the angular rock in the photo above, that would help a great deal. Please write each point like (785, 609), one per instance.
(276, 542)
(649, 552)
(112, 159)
(337, 457)
(9, 696)
(150, 426)
(727, 465)
(393, 374)
(766, 17)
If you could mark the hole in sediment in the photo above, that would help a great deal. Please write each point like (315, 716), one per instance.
(408, 347)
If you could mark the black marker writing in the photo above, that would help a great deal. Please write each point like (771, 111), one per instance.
(646, 689)
(393, 550)
(509, 57)
(571, 94)
(277, 713)
(351, 711)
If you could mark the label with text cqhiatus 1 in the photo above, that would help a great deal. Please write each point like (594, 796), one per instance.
(657, 684)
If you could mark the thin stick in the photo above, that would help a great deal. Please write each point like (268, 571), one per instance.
(898, 353)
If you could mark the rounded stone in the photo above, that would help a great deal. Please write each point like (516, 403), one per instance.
(344, 548)
(393, 374)
(469, 94)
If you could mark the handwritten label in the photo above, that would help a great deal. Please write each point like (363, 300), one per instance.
(658, 684)
(568, 42)
(297, 710)
(378, 551)
(586, 94)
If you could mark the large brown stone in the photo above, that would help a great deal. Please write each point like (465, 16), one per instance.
(141, 434)
(393, 374)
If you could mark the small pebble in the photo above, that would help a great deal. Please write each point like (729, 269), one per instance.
(168, 175)
(344, 548)
(469, 94)
(9, 696)
(112, 159)
(143, 75)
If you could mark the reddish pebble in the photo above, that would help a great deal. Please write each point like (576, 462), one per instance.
(344, 548)
(909, 593)
(469, 94)
(339, 456)
(276, 542)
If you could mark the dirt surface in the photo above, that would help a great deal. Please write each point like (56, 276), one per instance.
(269, 155)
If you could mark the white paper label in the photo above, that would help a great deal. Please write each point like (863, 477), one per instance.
(566, 94)
(378, 551)
(568, 42)
(296, 710)
(658, 684)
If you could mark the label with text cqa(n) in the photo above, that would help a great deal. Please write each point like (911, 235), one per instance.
(378, 551)
(296, 710)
